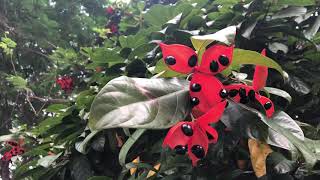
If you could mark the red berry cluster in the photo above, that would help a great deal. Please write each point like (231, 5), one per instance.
(208, 95)
(65, 83)
(114, 16)
(14, 151)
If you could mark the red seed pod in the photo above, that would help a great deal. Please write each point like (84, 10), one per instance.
(114, 28)
(207, 96)
(243, 93)
(260, 75)
(109, 10)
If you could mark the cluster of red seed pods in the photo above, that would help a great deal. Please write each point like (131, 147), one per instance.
(65, 83)
(15, 150)
(207, 95)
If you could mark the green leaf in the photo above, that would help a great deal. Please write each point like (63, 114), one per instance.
(225, 36)
(139, 103)
(241, 56)
(159, 15)
(81, 146)
(298, 85)
(290, 12)
(48, 160)
(57, 108)
(282, 124)
(105, 55)
(279, 92)
(141, 51)
(279, 164)
(162, 67)
(293, 2)
(17, 81)
(128, 144)
(85, 98)
(100, 178)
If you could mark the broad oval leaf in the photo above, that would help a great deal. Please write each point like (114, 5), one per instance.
(140, 103)
(298, 85)
(286, 133)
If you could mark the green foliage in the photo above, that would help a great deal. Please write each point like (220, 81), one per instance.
(17, 81)
(96, 129)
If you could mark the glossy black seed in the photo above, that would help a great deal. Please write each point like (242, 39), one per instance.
(233, 92)
(189, 77)
(244, 100)
(192, 61)
(194, 101)
(242, 92)
(227, 104)
(252, 95)
(223, 60)
(187, 129)
(209, 136)
(180, 149)
(195, 87)
(267, 105)
(214, 66)
(198, 151)
(223, 93)
(170, 60)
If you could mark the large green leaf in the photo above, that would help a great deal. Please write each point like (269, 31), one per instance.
(139, 103)
(283, 126)
(159, 15)
(225, 36)
(241, 56)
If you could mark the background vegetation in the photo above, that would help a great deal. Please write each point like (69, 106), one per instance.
(93, 42)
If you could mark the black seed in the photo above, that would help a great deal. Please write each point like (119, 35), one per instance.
(244, 100)
(170, 60)
(242, 92)
(209, 136)
(252, 95)
(227, 104)
(180, 149)
(267, 105)
(194, 101)
(214, 66)
(195, 87)
(223, 93)
(198, 151)
(192, 61)
(233, 92)
(189, 77)
(223, 60)
(187, 129)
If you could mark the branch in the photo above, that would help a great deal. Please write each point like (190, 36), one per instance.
(49, 100)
